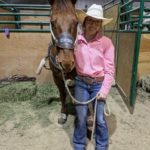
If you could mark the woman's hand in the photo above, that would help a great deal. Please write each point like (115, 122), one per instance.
(101, 96)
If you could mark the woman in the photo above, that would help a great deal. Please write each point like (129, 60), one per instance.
(94, 58)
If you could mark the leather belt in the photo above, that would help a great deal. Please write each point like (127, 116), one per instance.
(91, 80)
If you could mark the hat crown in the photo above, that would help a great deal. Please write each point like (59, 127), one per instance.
(95, 11)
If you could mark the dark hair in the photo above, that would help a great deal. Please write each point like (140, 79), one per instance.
(84, 21)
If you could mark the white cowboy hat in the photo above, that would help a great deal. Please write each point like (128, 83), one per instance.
(94, 11)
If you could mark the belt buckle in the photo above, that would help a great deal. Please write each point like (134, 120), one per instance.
(90, 80)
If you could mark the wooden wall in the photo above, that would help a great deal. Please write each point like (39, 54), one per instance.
(21, 55)
(125, 61)
(6, 18)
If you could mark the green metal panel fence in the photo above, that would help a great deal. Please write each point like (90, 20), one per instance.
(21, 10)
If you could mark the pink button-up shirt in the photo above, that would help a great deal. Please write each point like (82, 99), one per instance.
(95, 59)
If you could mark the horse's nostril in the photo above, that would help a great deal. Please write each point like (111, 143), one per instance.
(73, 62)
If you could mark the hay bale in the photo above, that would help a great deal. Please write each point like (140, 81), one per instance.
(17, 91)
(144, 83)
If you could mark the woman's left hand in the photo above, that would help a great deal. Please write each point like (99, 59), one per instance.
(101, 96)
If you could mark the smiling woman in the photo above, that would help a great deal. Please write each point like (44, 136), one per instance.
(94, 59)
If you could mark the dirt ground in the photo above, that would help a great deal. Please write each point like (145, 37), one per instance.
(31, 125)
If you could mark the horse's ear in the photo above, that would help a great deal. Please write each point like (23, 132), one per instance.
(51, 2)
(74, 1)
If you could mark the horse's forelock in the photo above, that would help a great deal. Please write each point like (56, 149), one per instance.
(63, 5)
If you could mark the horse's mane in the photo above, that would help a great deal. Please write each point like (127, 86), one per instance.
(63, 5)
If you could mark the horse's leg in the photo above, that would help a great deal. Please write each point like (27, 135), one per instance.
(61, 87)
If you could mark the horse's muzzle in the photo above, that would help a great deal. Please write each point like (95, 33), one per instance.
(65, 41)
(67, 67)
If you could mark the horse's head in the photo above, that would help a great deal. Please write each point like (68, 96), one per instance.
(64, 29)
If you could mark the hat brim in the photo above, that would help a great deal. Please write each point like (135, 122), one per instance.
(82, 15)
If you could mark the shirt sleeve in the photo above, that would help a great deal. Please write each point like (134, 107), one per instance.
(109, 69)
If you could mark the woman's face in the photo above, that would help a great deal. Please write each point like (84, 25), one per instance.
(92, 26)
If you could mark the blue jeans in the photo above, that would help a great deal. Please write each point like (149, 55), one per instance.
(84, 92)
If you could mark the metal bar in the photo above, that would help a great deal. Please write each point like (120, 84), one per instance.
(146, 32)
(112, 1)
(17, 18)
(129, 15)
(126, 4)
(147, 9)
(146, 0)
(129, 11)
(27, 30)
(143, 24)
(135, 16)
(146, 16)
(34, 8)
(111, 30)
(24, 5)
(129, 21)
(138, 16)
(23, 14)
(125, 31)
(2, 2)
(111, 6)
(25, 22)
(128, 31)
(136, 57)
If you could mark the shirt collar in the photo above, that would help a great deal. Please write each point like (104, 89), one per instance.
(98, 36)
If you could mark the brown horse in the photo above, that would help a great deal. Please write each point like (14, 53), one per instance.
(63, 25)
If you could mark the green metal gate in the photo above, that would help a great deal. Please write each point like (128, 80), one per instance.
(128, 30)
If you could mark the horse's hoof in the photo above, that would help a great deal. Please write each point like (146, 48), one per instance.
(62, 119)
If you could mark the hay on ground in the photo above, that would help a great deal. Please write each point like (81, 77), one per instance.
(17, 91)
